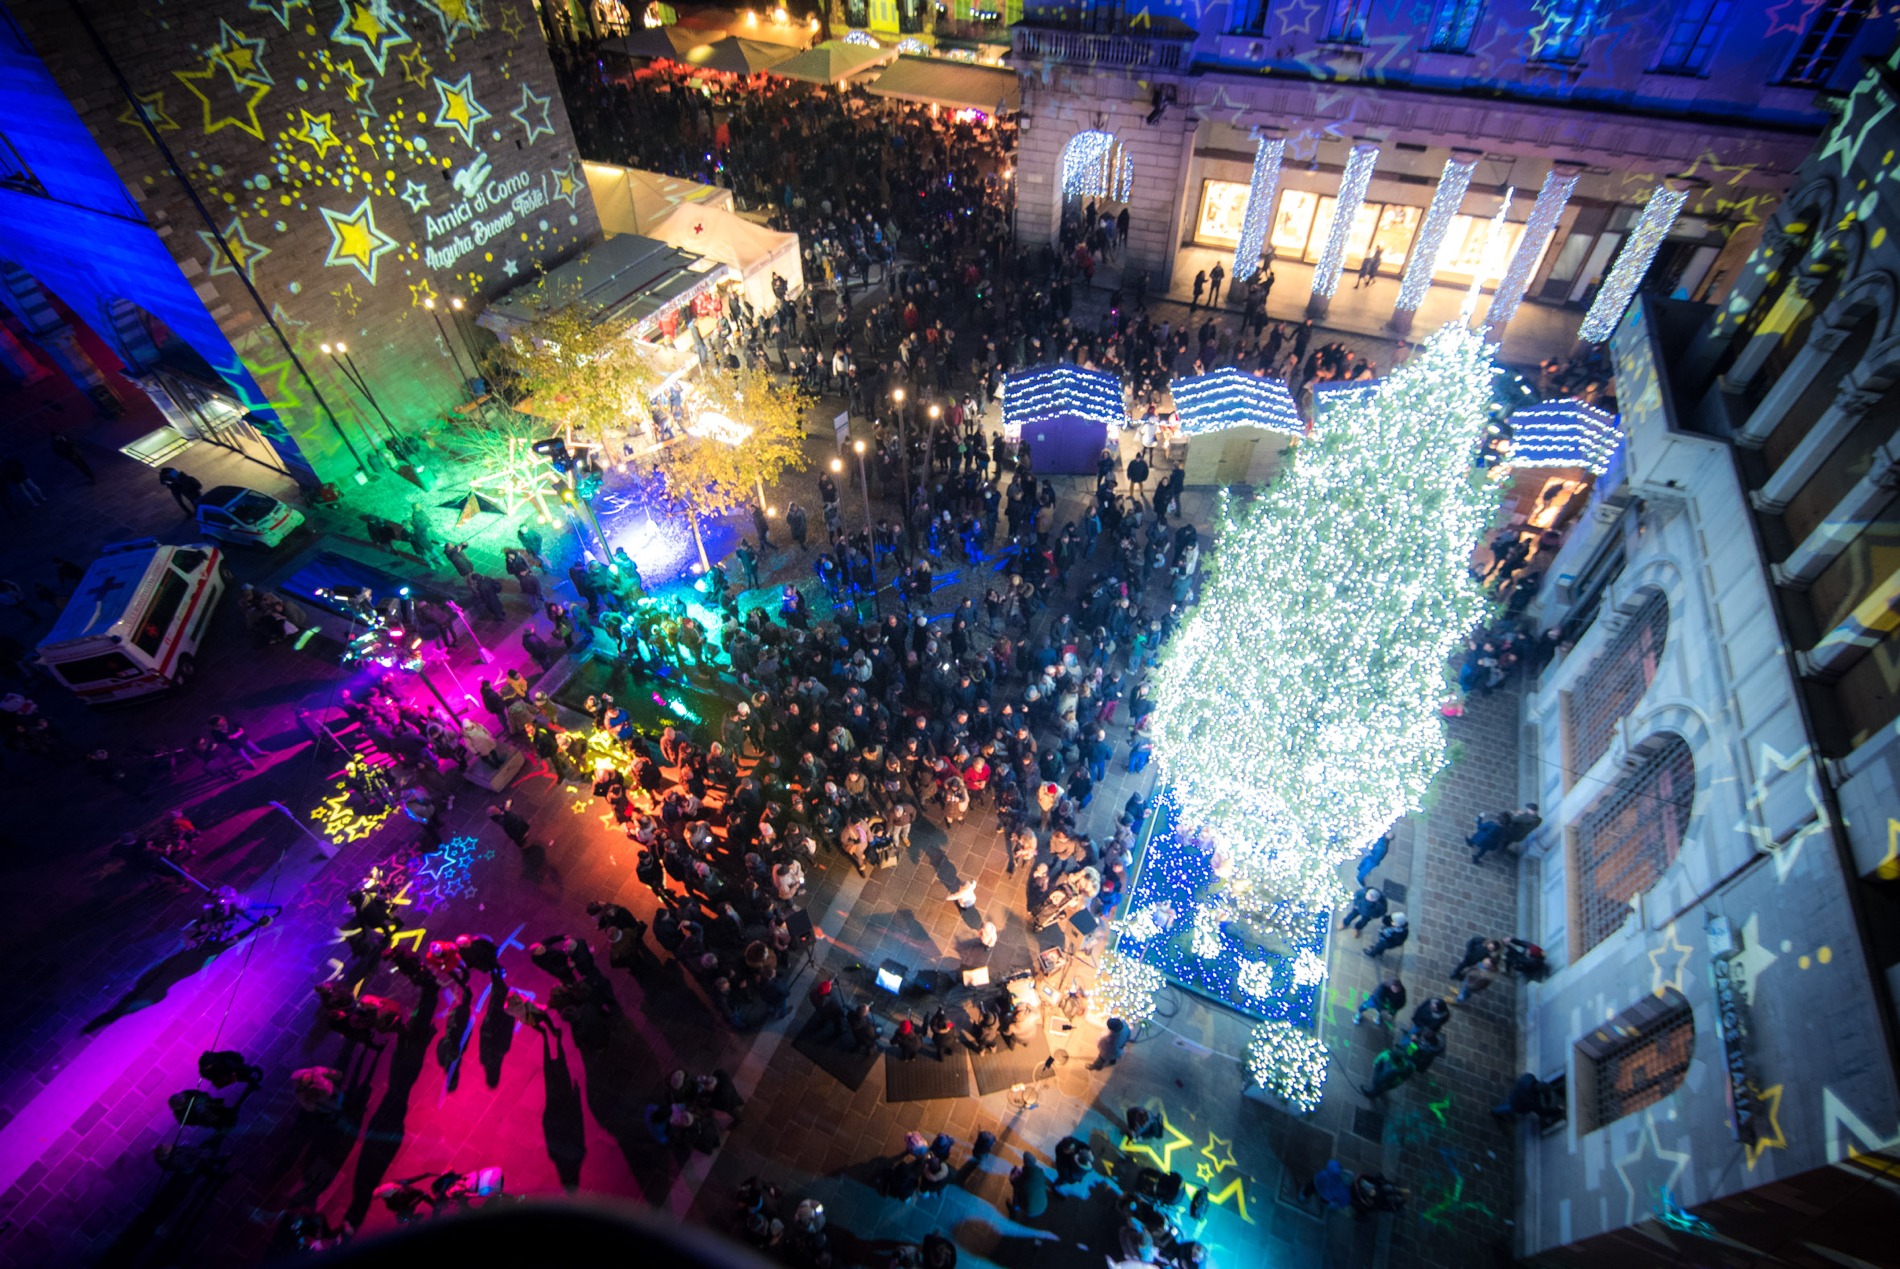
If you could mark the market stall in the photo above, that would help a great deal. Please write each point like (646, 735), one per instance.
(1065, 413)
(1227, 415)
(958, 85)
(753, 253)
(1553, 453)
(832, 62)
(632, 200)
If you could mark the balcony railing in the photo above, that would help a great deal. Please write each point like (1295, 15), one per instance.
(1117, 52)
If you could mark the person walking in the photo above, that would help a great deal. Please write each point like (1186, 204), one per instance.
(1477, 948)
(64, 447)
(1385, 1001)
(520, 1006)
(1200, 284)
(1394, 929)
(1215, 276)
(1331, 1185)
(1530, 1096)
(1478, 978)
(1368, 904)
(1374, 856)
(796, 521)
(234, 738)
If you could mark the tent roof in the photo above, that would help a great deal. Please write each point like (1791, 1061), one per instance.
(1233, 398)
(734, 56)
(1564, 433)
(931, 79)
(625, 281)
(645, 196)
(721, 235)
(1063, 390)
(831, 62)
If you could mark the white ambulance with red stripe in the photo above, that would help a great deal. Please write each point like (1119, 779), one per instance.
(134, 624)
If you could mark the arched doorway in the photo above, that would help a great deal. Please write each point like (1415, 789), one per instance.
(1096, 168)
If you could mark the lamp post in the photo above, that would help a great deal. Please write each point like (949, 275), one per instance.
(333, 352)
(864, 484)
(448, 343)
(339, 353)
(903, 444)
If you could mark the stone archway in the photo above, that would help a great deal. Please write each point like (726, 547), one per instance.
(1096, 168)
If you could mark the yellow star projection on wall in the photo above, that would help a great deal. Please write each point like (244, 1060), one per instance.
(242, 249)
(227, 103)
(370, 26)
(317, 133)
(243, 57)
(279, 9)
(532, 114)
(355, 239)
(459, 112)
(154, 106)
(457, 17)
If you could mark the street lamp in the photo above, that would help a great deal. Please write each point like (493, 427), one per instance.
(338, 353)
(440, 329)
(864, 483)
(903, 443)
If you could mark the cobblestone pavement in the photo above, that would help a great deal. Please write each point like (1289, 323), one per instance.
(113, 1009)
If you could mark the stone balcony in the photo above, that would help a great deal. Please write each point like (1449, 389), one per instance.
(1118, 51)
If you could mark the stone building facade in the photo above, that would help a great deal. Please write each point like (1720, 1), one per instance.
(1603, 107)
(221, 189)
(1718, 766)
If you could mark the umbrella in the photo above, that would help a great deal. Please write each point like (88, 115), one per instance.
(1229, 397)
(1565, 433)
(655, 42)
(735, 56)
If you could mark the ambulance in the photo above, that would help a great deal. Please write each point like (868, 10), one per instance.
(134, 624)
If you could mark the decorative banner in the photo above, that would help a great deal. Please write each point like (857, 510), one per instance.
(1541, 224)
(1632, 264)
(1260, 188)
(1352, 195)
(1423, 262)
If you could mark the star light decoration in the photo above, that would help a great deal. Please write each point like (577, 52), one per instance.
(1564, 433)
(1423, 262)
(1299, 703)
(1261, 184)
(371, 26)
(1289, 1064)
(1360, 161)
(1552, 197)
(1632, 263)
(1125, 988)
(355, 239)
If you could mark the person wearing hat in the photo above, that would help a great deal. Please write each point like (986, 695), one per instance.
(1393, 932)
(1368, 904)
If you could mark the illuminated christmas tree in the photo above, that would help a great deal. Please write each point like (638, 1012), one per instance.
(1300, 703)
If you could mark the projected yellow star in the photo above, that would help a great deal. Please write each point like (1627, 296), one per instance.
(317, 132)
(415, 68)
(459, 111)
(456, 16)
(153, 105)
(226, 103)
(241, 56)
(532, 114)
(242, 250)
(355, 239)
(370, 26)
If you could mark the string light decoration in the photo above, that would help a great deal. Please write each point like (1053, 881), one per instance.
(1552, 197)
(1330, 394)
(1125, 988)
(1564, 433)
(1352, 195)
(1430, 244)
(1289, 1064)
(1267, 156)
(862, 37)
(1095, 165)
(1230, 397)
(1064, 391)
(1244, 951)
(1299, 703)
(1632, 264)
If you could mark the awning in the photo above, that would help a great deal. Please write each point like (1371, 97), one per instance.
(734, 56)
(630, 199)
(1564, 433)
(954, 84)
(832, 62)
(653, 42)
(1232, 398)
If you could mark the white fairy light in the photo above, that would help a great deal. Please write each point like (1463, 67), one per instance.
(1254, 978)
(1034, 396)
(1288, 1063)
(1253, 223)
(1632, 264)
(1095, 165)
(1552, 198)
(1145, 924)
(1230, 397)
(1205, 939)
(1309, 969)
(1446, 200)
(1564, 434)
(1487, 260)
(1299, 703)
(1352, 195)
(1125, 988)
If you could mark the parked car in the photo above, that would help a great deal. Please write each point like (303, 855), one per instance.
(231, 513)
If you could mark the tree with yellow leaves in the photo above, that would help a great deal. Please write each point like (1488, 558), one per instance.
(570, 370)
(748, 432)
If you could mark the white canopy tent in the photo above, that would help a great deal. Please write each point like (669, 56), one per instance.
(751, 251)
(632, 200)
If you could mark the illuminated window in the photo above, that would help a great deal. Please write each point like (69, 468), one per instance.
(1347, 25)
(1250, 17)
(1832, 26)
(1223, 208)
(1565, 30)
(1358, 240)
(1613, 684)
(1454, 24)
(1636, 1058)
(1693, 36)
(1293, 222)
(1626, 840)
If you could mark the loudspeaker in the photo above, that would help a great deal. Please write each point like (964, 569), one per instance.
(1084, 922)
(799, 923)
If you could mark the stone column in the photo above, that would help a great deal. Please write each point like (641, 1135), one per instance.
(1268, 152)
(1794, 303)
(1863, 503)
(1806, 367)
(1538, 227)
(1446, 200)
(1360, 161)
(1828, 431)
(1866, 627)
(1632, 262)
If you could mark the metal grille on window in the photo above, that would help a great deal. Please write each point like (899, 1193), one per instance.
(1647, 1067)
(1615, 681)
(1630, 835)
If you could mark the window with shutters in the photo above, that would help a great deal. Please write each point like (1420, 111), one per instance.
(1613, 684)
(1629, 836)
(1635, 1059)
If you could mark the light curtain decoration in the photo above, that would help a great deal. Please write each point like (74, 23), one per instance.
(1260, 189)
(1352, 195)
(1552, 198)
(1446, 200)
(1632, 264)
